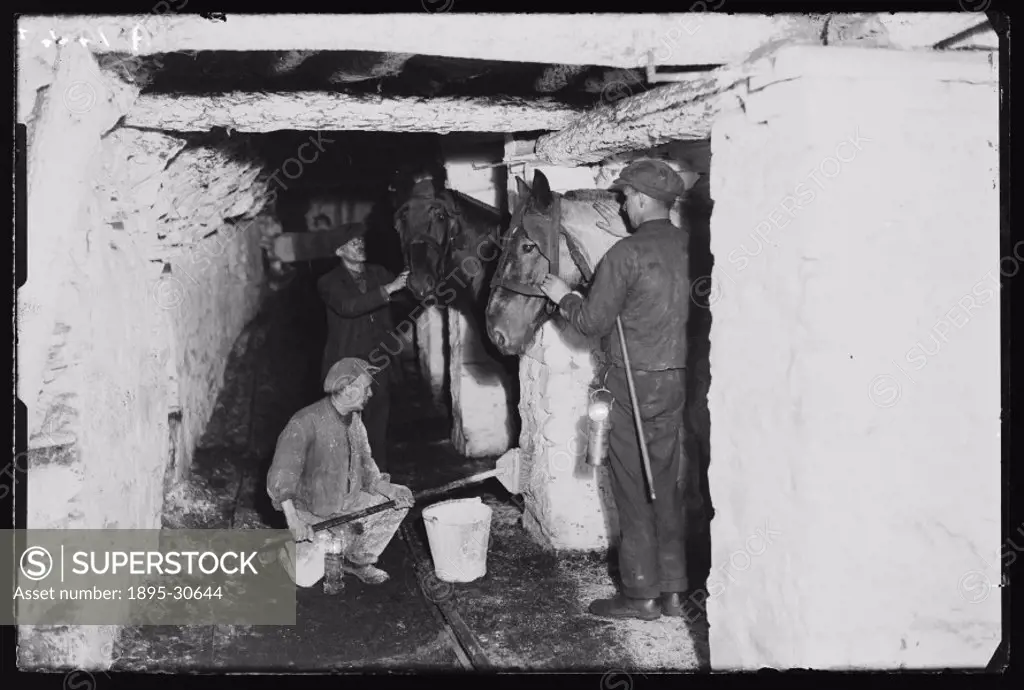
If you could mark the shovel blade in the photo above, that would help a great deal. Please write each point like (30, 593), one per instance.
(303, 561)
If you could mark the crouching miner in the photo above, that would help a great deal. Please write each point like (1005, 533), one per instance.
(644, 280)
(323, 468)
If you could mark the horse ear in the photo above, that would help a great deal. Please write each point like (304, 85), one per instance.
(522, 188)
(541, 191)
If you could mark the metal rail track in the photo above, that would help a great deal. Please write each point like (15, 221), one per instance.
(467, 650)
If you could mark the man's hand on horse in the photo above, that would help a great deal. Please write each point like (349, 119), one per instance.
(398, 283)
(554, 287)
(610, 211)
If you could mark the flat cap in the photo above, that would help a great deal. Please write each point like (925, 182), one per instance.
(345, 372)
(652, 177)
(346, 233)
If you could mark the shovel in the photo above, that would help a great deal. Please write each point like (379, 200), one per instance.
(508, 470)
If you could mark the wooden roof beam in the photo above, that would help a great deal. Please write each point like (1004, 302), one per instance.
(319, 111)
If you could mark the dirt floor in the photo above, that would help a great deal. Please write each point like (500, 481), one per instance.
(527, 612)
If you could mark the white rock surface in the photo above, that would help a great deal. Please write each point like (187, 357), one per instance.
(856, 479)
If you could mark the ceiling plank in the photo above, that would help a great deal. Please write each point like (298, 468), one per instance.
(319, 111)
(613, 40)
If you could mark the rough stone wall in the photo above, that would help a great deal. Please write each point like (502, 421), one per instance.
(216, 291)
(196, 210)
(136, 346)
(105, 388)
(855, 350)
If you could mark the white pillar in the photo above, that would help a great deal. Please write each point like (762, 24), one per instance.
(482, 424)
(568, 504)
(430, 347)
(855, 402)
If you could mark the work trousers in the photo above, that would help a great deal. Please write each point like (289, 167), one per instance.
(377, 530)
(375, 417)
(652, 549)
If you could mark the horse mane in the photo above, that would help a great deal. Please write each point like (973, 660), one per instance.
(579, 221)
(590, 195)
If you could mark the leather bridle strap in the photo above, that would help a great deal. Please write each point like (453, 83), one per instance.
(546, 237)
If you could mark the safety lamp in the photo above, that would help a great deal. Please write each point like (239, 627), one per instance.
(599, 414)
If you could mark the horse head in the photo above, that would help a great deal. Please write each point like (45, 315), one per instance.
(549, 233)
(427, 223)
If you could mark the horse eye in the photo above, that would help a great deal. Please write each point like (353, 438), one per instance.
(528, 248)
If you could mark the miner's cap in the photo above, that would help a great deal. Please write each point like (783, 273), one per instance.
(345, 372)
(652, 177)
(348, 232)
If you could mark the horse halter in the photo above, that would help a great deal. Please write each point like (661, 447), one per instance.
(544, 230)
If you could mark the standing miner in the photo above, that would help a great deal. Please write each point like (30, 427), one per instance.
(323, 467)
(644, 280)
(358, 299)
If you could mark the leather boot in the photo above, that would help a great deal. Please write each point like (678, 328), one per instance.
(680, 604)
(368, 574)
(622, 606)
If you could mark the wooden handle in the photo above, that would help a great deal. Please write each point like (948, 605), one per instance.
(636, 410)
(390, 504)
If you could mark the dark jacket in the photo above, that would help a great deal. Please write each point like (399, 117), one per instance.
(359, 322)
(322, 461)
(645, 279)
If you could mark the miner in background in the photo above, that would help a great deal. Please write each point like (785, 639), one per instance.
(323, 467)
(643, 279)
(358, 297)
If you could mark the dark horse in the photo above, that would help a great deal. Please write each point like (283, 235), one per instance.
(450, 241)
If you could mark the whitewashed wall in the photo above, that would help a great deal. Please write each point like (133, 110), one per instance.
(855, 348)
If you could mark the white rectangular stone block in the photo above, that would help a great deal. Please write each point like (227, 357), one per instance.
(569, 503)
(481, 424)
(430, 327)
(855, 401)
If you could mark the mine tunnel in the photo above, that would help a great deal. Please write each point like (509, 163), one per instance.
(190, 227)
